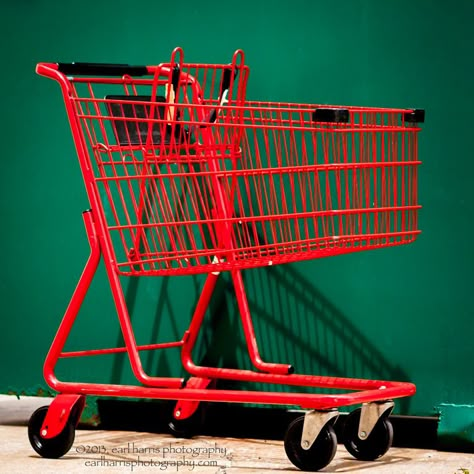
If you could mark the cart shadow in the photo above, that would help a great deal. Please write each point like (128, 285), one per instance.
(294, 322)
(156, 361)
(349, 464)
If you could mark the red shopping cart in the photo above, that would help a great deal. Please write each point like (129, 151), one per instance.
(186, 176)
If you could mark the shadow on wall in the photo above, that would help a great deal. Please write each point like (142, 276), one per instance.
(155, 362)
(294, 322)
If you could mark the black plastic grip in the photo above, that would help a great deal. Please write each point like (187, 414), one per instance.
(331, 115)
(175, 77)
(101, 69)
(417, 116)
(226, 79)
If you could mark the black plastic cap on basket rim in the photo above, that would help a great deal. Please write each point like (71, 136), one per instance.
(416, 116)
(331, 115)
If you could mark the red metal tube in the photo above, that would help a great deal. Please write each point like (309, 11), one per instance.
(304, 400)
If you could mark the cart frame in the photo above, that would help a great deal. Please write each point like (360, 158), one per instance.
(376, 395)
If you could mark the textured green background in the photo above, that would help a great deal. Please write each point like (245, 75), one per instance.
(401, 313)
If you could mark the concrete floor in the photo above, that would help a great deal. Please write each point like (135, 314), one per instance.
(126, 451)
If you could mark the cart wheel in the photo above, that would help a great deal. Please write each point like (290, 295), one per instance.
(188, 427)
(49, 447)
(319, 455)
(375, 446)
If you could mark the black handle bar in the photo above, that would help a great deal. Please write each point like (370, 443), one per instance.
(101, 69)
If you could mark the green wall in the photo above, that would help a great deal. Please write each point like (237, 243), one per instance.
(402, 313)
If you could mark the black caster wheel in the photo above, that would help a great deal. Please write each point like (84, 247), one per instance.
(375, 445)
(49, 447)
(188, 427)
(319, 455)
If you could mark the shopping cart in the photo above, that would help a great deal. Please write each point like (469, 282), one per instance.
(186, 176)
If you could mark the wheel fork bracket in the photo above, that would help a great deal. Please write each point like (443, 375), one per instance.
(59, 412)
(314, 422)
(186, 408)
(370, 414)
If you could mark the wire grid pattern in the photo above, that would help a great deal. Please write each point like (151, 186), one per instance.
(194, 185)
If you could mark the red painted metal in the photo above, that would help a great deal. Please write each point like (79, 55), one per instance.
(118, 350)
(372, 391)
(63, 408)
(186, 408)
(73, 309)
(195, 179)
